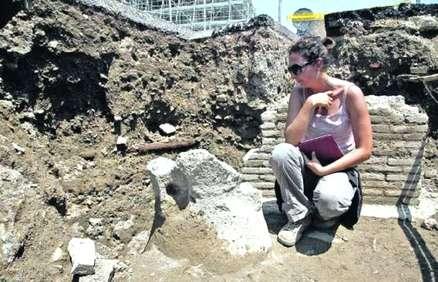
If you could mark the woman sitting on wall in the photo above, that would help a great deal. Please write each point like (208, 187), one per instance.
(319, 105)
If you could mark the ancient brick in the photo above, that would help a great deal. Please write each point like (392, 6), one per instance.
(376, 160)
(266, 149)
(402, 193)
(268, 125)
(268, 193)
(250, 177)
(270, 141)
(256, 170)
(267, 177)
(382, 184)
(263, 185)
(378, 119)
(380, 168)
(271, 133)
(401, 162)
(281, 126)
(407, 178)
(269, 116)
(409, 129)
(373, 192)
(372, 176)
(259, 156)
(282, 117)
(254, 163)
(381, 128)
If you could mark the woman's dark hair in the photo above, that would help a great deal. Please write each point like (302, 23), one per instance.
(312, 48)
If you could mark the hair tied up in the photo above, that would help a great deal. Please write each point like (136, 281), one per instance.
(328, 43)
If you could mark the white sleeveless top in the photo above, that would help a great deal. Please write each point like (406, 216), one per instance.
(337, 124)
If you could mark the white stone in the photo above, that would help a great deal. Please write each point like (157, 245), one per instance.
(18, 148)
(204, 174)
(233, 209)
(138, 243)
(167, 129)
(53, 44)
(83, 255)
(238, 219)
(248, 156)
(57, 255)
(429, 224)
(122, 140)
(104, 271)
(123, 230)
(10, 245)
(160, 170)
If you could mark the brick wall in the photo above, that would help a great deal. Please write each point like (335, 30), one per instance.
(393, 173)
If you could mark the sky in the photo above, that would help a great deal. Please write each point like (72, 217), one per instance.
(270, 7)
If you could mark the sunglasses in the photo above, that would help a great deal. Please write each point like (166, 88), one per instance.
(297, 69)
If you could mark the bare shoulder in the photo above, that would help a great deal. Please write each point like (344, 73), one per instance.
(354, 94)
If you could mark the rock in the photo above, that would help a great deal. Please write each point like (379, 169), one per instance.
(204, 174)
(214, 193)
(167, 129)
(10, 243)
(15, 193)
(430, 224)
(124, 230)
(138, 243)
(122, 143)
(57, 255)
(95, 227)
(53, 44)
(104, 271)
(159, 170)
(20, 150)
(83, 255)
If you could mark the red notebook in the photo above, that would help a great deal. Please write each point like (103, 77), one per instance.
(325, 147)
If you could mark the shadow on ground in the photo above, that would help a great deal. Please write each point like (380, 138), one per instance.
(313, 242)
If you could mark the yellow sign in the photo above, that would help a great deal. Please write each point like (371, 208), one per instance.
(299, 17)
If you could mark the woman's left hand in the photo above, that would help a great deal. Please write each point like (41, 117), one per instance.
(315, 166)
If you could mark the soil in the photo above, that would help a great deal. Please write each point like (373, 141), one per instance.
(377, 250)
(67, 71)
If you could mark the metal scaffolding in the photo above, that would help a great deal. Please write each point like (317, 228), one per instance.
(197, 14)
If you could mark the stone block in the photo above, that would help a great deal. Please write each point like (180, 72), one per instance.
(263, 185)
(254, 163)
(281, 117)
(269, 116)
(372, 176)
(267, 126)
(204, 174)
(259, 156)
(381, 128)
(160, 172)
(382, 184)
(83, 255)
(250, 177)
(271, 133)
(400, 162)
(372, 192)
(407, 178)
(267, 177)
(256, 170)
(105, 269)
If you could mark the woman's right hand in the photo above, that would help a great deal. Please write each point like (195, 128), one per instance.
(320, 100)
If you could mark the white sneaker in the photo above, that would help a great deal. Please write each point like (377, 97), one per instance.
(292, 231)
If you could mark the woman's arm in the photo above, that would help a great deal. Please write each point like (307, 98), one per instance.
(298, 118)
(300, 113)
(361, 125)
